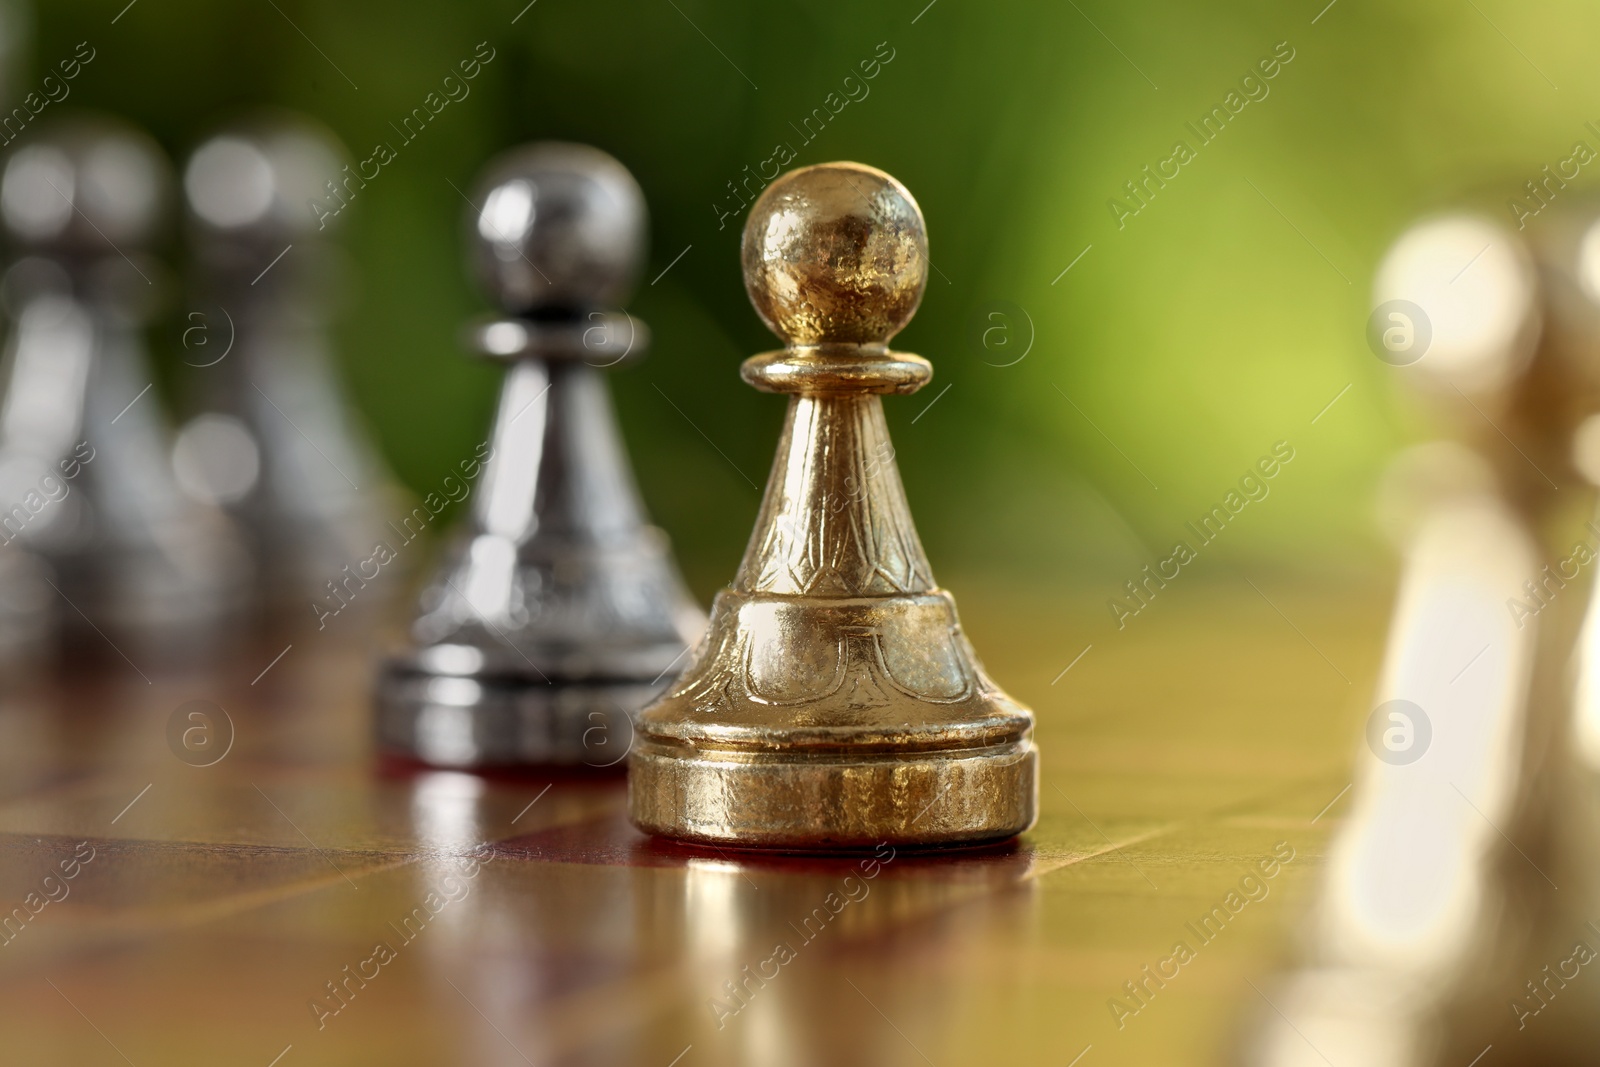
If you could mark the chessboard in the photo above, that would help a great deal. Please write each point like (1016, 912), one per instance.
(291, 899)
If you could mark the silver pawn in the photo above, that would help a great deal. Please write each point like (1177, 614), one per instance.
(559, 613)
(85, 474)
(28, 615)
(274, 442)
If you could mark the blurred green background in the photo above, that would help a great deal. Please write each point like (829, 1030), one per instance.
(1178, 348)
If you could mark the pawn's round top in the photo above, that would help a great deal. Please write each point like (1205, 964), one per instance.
(557, 228)
(85, 184)
(1469, 286)
(835, 253)
(255, 179)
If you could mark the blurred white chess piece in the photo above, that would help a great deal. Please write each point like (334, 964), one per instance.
(1433, 880)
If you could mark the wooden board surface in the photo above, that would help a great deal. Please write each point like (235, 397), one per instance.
(468, 920)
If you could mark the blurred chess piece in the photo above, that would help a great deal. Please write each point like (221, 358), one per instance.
(1554, 998)
(559, 613)
(274, 442)
(1568, 246)
(85, 474)
(28, 615)
(1440, 871)
(835, 701)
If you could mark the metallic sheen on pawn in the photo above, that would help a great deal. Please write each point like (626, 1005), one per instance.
(559, 613)
(835, 702)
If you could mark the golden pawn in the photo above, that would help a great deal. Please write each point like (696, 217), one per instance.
(834, 701)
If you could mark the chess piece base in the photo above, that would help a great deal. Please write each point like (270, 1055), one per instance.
(817, 723)
(837, 800)
(471, 722)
